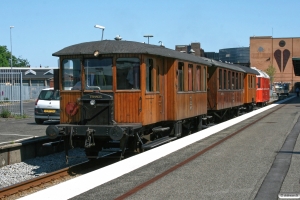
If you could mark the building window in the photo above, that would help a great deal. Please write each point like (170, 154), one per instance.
(128, 73)
(37, 83)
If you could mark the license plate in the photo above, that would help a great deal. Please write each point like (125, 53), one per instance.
(49, 111)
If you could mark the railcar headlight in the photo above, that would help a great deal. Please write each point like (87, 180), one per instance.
(92, 102)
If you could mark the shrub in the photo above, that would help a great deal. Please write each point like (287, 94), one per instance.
(5, 113)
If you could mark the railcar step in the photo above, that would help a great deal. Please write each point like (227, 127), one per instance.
(158, 142)
(160, 129)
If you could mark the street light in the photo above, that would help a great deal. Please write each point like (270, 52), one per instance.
(100, 27)
(148, 37)
(11, 89)
(11, 47)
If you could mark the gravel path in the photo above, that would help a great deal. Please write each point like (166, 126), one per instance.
(18, 172)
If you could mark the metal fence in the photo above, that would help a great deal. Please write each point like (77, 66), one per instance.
(13, 93)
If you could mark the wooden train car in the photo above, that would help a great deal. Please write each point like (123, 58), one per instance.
(262, 88)
(250, 83)
(130, 94)
(225, 91)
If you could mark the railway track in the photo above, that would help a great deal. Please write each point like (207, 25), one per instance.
(50, 179)
(33, 185)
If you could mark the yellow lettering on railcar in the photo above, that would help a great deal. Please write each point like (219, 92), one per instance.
(96, 96)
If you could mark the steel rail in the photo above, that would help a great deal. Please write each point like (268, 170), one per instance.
(154, 179)
(38, 181)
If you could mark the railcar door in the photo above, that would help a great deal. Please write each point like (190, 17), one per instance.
(154, 93)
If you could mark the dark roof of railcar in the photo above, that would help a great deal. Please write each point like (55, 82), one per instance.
(249, 70)
(224, 65)
(113, 46)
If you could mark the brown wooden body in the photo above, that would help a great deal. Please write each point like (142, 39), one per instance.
(249, 88)
(219, 96)
(140, 106)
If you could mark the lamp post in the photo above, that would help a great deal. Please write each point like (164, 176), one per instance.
(148, 37)
(100, 27)
(11, 87)
(11, 47)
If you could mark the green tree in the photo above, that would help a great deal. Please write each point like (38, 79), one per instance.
(271, 71)
(5, 59)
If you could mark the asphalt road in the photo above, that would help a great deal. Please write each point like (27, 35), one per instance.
(12, 130)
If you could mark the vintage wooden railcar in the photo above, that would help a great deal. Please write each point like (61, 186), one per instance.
(132, 94)
(262, 87)
(225, 90)
(250, 83)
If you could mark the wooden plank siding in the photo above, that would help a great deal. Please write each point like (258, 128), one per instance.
(65, 98)
(141, 106)
(219, 99)
(249, 91)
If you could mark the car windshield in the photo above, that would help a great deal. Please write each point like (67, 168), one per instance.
(49, 95)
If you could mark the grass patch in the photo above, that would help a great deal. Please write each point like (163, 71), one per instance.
(5, 113)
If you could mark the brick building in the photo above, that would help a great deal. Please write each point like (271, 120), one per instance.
(279, 52)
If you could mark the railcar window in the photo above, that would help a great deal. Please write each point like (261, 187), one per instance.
(242, 81)
(220, 79)
(204, 78)
(225, 79)
(149, 75)
(258, 84)
(128, 73)
(232, 82)
(190, 77)
(180, 76)
(98, 73)
(71, 73)
(236, 81)
(198, 78)
(228, 81)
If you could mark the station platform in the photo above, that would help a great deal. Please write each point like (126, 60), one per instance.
(260, 162)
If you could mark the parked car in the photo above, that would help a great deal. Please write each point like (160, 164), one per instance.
(47, 106)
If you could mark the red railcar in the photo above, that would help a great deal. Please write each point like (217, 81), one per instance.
(262, 87)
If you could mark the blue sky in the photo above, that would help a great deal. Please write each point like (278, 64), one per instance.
(43, 27)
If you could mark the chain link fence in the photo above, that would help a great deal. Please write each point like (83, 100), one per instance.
(13, 93)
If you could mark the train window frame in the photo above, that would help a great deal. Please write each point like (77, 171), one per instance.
(220, 79)
(225, 79)
(150, 75)
(190, 78)
(229, 80)
(198, 78)
(98, 73)
(233, 80)
(130, 79)
(180, 77)
(236, 81)
(204, 79)
(71, 73)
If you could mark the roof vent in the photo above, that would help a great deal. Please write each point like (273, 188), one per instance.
(118, 38)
